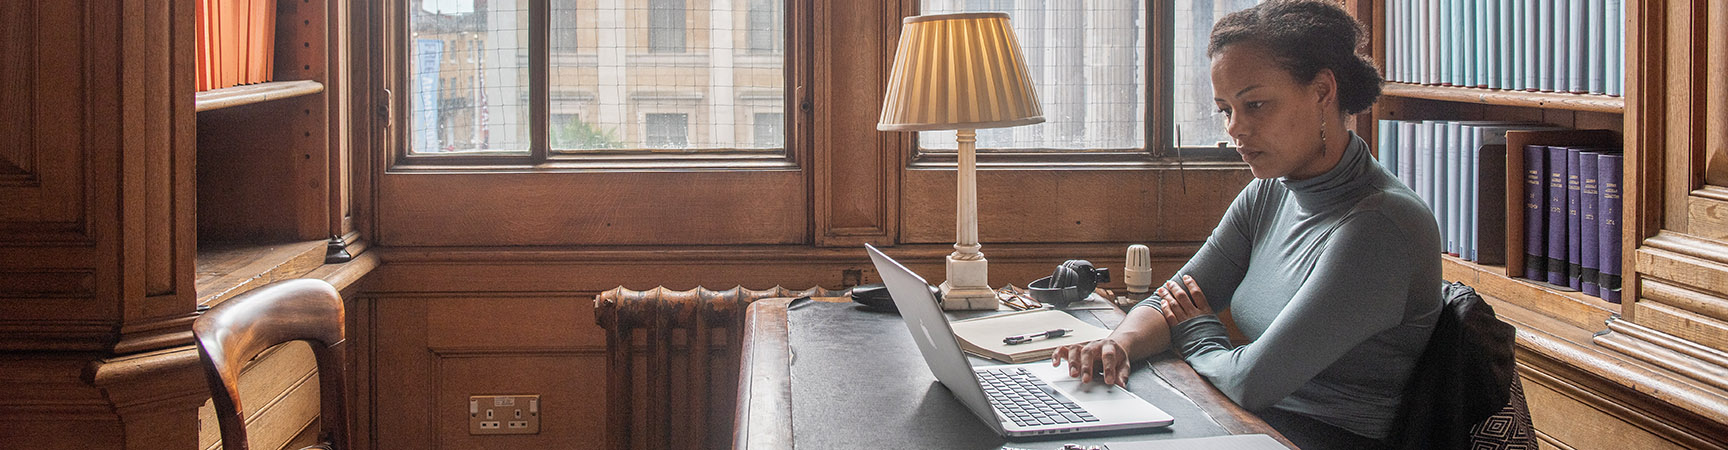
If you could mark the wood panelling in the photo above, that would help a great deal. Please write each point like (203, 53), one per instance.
(1073, 205)
(562, 208)
(1567, 419)
(431, 352)
(588, 272)
(280, 391)
(42, 122)
(857, 172)
(1589, 373)
(259, 171)
(1708, 217)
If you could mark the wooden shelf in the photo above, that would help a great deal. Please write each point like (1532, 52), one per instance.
(1551, 100)
(229, 269)
(253, 93)
(1572, 307)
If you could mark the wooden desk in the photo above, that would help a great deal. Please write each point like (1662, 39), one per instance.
(861, 384)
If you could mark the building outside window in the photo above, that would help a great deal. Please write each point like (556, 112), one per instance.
(666, 26)
(668, 130)
(769, 130)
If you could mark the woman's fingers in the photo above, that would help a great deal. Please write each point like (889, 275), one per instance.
(1197, 298)
(1113, 363)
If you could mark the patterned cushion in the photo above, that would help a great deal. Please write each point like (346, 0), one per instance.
(1508, 429)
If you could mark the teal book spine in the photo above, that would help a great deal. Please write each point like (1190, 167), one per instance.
(1468, 42)
(1388, 148)
(1616, 57)
(1538, 45)
(1577, 47)
(1560, 45)
(1491, 34)
(1431, 43)
(1467, 205)
(1407, 152)
(1443, 25)
(1596, 49)
(1452, 186)
(1442, 139)
(1516, 59)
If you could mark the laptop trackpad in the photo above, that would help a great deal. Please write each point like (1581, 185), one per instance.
(1096, 391)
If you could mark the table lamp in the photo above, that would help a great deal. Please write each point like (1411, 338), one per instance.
(960, 72)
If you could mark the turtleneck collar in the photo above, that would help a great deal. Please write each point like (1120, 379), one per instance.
(1346, 182)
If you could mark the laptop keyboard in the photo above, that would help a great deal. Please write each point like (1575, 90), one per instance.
(1027, 401)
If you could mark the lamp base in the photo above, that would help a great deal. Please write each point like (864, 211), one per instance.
(968, 286)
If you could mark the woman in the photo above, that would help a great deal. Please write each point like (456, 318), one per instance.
(1327, 263)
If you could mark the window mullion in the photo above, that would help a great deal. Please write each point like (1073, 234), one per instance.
(539, 79)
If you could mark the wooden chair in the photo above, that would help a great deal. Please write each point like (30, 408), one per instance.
(236, 331)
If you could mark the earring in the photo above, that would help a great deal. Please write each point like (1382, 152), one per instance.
(1322, 132)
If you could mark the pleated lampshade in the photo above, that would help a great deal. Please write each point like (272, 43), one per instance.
(958, 71)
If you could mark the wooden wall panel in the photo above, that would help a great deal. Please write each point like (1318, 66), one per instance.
(1018, 206)
(857, 173)
(610, 208)
(42, 123)
(279, 391)
(1566, 419)
(432, 351)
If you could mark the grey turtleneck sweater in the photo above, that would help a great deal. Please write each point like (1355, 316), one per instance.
(1335, 279)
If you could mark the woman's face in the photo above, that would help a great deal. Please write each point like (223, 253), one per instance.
(1274, 119)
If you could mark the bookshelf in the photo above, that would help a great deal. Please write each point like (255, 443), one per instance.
(1651, 371)
(1499, 97)
(253, 93)
(269, 201)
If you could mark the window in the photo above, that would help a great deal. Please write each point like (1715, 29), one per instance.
(1196, 115)
(471, 94)
(666, 26)
(764, 32)
(768, 130)
(1089, 63)
(565, 31)
(668, 130)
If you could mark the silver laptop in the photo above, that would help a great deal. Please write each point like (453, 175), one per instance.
(1015, 400)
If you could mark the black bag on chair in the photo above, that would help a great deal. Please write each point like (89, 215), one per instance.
(1465, 391)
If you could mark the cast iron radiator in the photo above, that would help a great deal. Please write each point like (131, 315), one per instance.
(672, 363)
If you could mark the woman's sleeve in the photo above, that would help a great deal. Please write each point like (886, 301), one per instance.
(1223, 260)
(1358, 288)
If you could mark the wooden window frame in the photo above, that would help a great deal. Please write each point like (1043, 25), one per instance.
(540, 157)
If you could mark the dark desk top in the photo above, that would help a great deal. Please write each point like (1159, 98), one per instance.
(832, 375)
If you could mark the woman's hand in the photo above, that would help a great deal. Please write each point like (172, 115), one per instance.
(1101, 357)
(1183, 301)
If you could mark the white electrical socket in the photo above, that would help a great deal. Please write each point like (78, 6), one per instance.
(504, 414)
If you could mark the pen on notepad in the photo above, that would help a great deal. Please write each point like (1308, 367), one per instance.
(1024, 338)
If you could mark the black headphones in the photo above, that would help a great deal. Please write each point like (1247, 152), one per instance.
(1072, 281)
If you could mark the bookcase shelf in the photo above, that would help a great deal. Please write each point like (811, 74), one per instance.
(1569, 306)
(1499, 97)
(227, 269)
(253, 93)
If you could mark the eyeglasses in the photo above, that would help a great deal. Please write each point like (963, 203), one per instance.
(1017, 299)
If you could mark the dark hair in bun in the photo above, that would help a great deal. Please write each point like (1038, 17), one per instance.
(1303, 37)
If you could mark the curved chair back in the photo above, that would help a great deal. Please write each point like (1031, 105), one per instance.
(237, 330)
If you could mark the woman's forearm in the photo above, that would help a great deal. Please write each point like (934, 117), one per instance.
(1142, 334)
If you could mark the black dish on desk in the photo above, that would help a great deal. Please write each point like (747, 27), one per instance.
(875, 297)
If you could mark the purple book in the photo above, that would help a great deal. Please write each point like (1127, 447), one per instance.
(1574, 252)
(1535, 213)
(1556, 208)
(1589, 202)
(1608, 174)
